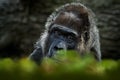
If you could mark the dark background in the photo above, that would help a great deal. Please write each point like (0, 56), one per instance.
(22, 21)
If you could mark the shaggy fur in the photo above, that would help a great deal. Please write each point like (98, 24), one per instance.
(79, 18)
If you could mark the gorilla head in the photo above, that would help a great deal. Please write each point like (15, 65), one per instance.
(71, 27)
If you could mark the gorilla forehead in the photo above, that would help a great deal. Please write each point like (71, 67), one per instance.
(69, 12)
(69, 19)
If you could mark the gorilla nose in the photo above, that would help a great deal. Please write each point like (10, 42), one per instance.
(60, 46)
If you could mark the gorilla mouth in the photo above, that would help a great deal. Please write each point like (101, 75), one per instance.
(56, 46)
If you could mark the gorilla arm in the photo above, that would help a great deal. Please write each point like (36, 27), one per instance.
(95, 48)
(36, 55)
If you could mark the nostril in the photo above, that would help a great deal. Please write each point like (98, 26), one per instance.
(57, 48)
(60, 46)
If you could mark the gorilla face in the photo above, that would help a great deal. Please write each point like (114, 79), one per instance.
(60, 38)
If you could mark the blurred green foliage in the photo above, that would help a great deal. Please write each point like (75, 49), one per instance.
(67, 66)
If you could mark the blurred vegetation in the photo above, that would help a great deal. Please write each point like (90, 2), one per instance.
(69, 67)
(22, 21)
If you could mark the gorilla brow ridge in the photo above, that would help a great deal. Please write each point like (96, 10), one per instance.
(64, 28)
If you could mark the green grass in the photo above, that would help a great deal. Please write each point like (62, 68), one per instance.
(67, 66)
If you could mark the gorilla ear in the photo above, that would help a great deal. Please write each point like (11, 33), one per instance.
(37, 55)
(86, 36)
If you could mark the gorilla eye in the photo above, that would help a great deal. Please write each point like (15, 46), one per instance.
(70, 37)
(57, 32)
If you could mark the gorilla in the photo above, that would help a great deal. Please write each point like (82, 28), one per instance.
(71, 27)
